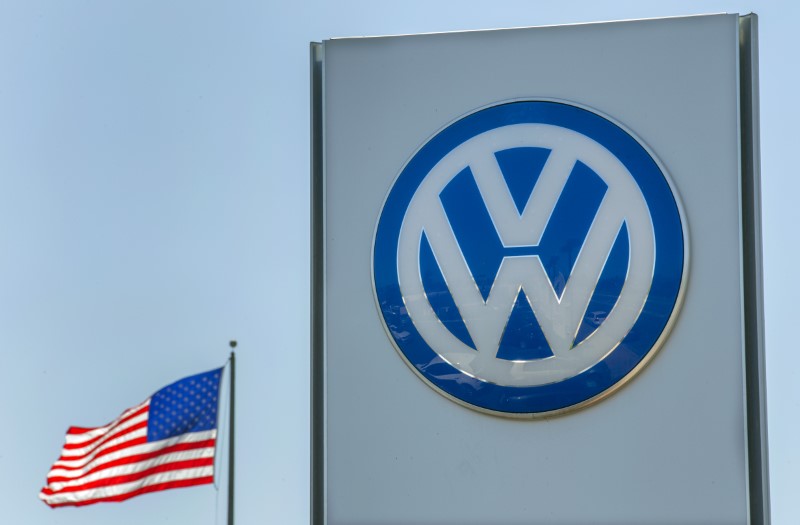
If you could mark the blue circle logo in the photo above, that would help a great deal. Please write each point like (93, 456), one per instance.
(529, 258)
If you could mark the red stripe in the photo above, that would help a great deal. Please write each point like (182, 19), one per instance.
(128, 478)
(179, 447)
(101, 453)
(144, 490)
(82, 430)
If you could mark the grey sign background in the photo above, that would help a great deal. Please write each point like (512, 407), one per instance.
(671, 446)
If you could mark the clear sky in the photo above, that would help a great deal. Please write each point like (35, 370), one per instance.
(154, 203)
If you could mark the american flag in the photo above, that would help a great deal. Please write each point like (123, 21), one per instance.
(165, 442)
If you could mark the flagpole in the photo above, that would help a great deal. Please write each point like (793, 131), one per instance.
(231, 433)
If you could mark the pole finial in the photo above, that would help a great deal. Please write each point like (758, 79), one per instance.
(232, 343)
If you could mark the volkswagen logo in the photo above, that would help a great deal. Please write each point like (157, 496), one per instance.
(529, 258)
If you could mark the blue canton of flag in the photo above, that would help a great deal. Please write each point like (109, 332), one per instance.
(188, 405)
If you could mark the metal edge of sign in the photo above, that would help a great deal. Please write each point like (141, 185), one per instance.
(515, 28)
(317, 485)
(752, 274)
(667, 327)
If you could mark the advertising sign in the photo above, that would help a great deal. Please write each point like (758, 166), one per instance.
(536, 276)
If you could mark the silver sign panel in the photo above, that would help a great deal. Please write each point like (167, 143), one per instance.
(536, 276)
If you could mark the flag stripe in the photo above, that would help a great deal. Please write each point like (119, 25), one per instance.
(128, 449)
(78, 435)
(114, 436)
(134, 438)
(125, 457)
(89, 431)
(127, 474)
(165, 480)
(126, 423)
(71, 451)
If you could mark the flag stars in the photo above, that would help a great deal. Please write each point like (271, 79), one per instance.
(188, 405)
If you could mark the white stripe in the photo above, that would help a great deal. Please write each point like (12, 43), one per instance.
(82, 460)
(99, 431)
(132, 468)
(124, 488)
(191, 437)
(79, 452)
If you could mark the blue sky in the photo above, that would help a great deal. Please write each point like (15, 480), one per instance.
(154, 204)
